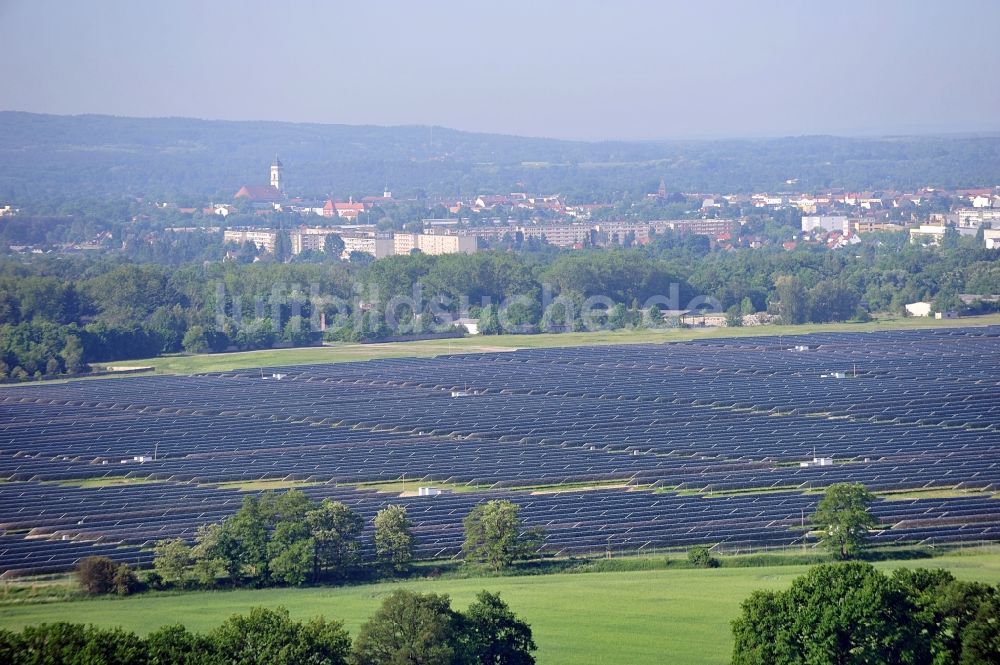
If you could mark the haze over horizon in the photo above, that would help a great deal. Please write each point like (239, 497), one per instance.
(581, 70)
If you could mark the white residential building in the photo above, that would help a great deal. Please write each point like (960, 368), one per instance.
(434, 244)
(992, 238)
(928, 233)
(263, 238)
(976, 217)
(826, 223)
(379, 247)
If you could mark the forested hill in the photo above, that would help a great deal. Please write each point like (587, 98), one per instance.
(65, 157)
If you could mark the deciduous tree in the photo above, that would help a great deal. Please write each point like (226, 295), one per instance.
(494, 635)
(837, 613)
(843, 519)
(270, 637)
(410, 628)
(335, 529)
(176, 645)
(97, 574)
(394, 539)
(494, 534)
(173, 560)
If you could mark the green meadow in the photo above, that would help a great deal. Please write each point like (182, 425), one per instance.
(660, 616)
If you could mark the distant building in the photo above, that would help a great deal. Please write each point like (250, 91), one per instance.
(806, 204)
(991, 237)
(585, 210)
(310, 239)
(928, 233)
(971, 298)
(276, 181)
(935, 233)
(866, 201)
(489, 202)
(661, 193)
(702, 319)
(272, 193)
(378, 246)
(860, 226)
(977, 217)
(826, 223)
(701, 227)
(343, 209)
(565, 235)
(918, 309)
(765, 201)
(258, 194)
(356, 239)
(434, 244)
(471, 325)
(265, 239)
(616, 232)
(438, 223)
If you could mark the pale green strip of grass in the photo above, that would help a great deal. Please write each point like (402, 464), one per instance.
(585, 486)
(263, 485)
(935, 493)
(411, 486)
(332, 353)
(108, 481)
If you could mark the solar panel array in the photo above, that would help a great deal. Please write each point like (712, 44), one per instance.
(903, 410)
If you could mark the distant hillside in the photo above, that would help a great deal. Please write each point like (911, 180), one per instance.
(65, 157)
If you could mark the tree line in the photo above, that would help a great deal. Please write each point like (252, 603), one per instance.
(289, 539)
(285, 538)
(58, 315)
(408, 627)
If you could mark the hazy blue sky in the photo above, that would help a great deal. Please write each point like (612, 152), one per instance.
(573, 69)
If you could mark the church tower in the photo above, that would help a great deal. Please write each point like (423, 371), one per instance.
(276, 167)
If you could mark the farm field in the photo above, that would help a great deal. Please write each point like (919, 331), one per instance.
(725, 442)
(340, 352)
(660, 616)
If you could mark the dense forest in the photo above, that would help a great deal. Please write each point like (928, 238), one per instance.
(59, 313)
(61, 158)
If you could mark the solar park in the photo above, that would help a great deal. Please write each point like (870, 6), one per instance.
(628, 448)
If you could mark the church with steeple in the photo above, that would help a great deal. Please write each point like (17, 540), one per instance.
(276, 167)
(271, 193)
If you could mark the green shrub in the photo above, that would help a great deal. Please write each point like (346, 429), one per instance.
(700, 556)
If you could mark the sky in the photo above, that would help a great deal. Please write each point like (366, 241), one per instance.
(577, 69)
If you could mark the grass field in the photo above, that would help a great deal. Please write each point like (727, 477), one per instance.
(184, 364)
(659, 616)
